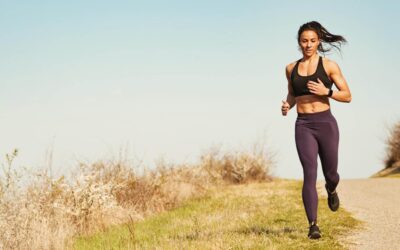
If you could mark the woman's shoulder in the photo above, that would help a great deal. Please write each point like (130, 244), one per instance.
(329, 64)
(290, 67)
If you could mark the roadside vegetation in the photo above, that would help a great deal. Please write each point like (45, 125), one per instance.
(38, 211)
(247, 216)
(392, 159)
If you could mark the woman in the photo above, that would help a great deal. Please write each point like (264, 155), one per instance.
(316, 132)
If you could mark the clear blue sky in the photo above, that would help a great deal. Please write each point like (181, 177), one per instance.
(174, 78)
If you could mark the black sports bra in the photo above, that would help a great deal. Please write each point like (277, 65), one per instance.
(299, 83)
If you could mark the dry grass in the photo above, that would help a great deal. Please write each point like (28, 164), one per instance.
(46, 213)
(249, 216)
(393, 147)
(392, 159)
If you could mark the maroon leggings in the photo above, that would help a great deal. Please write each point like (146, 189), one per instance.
(317, 134)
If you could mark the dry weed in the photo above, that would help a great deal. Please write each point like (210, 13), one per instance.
(393, 147)
(46, 212)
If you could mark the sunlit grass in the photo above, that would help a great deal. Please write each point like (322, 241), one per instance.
(251, 216)
(39, 211)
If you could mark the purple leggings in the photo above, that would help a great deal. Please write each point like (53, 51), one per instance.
(317, 134)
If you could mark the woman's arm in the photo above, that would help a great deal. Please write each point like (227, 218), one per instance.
(318, 88)
(290, 96)
(290, 99)
(343, 95)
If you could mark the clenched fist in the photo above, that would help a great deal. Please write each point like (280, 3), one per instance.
(285, 107)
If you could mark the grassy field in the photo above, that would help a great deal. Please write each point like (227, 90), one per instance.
(248, 216)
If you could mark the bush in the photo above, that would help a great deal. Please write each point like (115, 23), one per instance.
(47, 213)
(393, 147)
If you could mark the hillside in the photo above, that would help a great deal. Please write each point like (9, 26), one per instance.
(393, 171)
(250, 216)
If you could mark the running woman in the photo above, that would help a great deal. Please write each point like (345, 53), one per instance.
(310, 81)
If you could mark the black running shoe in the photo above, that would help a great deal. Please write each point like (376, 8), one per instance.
(314, 232)
(333, 199)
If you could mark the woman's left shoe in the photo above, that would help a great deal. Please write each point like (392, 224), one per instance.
(333, 199)
(314, 232)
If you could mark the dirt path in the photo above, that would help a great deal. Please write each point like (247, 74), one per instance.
(376, 202)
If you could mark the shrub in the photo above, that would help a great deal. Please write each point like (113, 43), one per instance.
(393, 147)
(47, 213)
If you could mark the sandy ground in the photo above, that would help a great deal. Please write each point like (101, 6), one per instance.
(375, 201)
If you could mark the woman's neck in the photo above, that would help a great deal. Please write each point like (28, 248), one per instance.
(310, 58)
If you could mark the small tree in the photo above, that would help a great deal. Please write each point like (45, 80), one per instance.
(393, 146)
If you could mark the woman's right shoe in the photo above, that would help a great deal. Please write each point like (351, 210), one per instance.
(314, 232)
(333, 199)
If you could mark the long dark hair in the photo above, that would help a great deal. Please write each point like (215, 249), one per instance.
(334, 41)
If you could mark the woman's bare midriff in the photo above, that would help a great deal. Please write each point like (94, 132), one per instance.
(312, 103)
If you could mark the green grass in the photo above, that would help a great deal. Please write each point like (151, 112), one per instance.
(253, 216)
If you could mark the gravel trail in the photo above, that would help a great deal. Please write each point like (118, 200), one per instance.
(376, 201)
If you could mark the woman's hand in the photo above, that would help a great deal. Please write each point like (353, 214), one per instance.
(285, 107)
(318, 88)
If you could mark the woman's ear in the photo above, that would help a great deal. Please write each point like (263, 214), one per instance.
(319, 44)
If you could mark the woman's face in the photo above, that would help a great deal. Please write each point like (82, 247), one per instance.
(309, 42)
